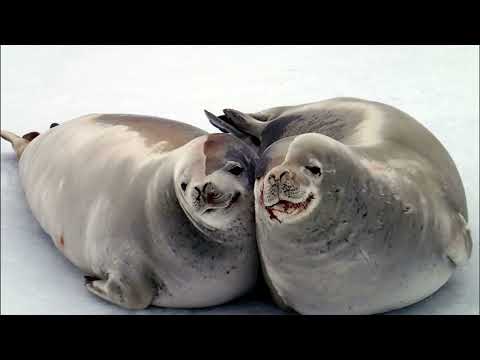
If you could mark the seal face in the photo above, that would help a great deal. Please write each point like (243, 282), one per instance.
(358, 207)
(289, 189)
(213, 184)
(154, 211)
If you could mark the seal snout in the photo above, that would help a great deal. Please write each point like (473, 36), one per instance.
(282, 184)
(284, 194)
(208, 197)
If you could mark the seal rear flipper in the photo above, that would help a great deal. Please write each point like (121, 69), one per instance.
(18, 143)
(225, 125)
(245, 122)
(237, 123)
(459, 249)
(222, 123)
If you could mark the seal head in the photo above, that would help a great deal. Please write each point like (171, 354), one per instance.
(214, 183)
(302, 179)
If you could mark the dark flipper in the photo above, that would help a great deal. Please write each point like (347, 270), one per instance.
(221, 122)
(227, 125)
(245, 122)
(31, 135)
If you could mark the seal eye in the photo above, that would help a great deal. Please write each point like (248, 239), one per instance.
(235, 170)
(315, 170)
(184, 186)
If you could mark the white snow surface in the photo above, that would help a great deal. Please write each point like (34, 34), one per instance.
(438, 85)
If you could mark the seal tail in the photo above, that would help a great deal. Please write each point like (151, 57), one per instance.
(18, 143)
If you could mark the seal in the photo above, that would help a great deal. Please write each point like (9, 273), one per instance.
(359, 208)
(154, 211)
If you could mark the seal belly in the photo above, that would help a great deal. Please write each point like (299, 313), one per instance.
(77, 175)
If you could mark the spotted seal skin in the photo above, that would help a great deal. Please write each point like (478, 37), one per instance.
(359, 208)
(154, 211)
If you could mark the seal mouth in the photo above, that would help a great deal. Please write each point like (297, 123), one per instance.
(229, 204)
(288, 208)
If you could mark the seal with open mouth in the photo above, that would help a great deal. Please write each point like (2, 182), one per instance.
(154, 211)
(359, 208)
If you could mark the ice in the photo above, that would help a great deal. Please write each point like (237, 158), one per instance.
(438, 85)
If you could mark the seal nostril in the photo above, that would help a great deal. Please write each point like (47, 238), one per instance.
(199, 193)
(184, 186)
(209, 188)
(272, 179)
(286, 172)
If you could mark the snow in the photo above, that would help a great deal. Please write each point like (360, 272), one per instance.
(438, 85)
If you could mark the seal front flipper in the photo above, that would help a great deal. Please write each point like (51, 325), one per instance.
(459, 249)
(125, 290)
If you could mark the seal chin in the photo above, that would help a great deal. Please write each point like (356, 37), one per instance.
(287, 211)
